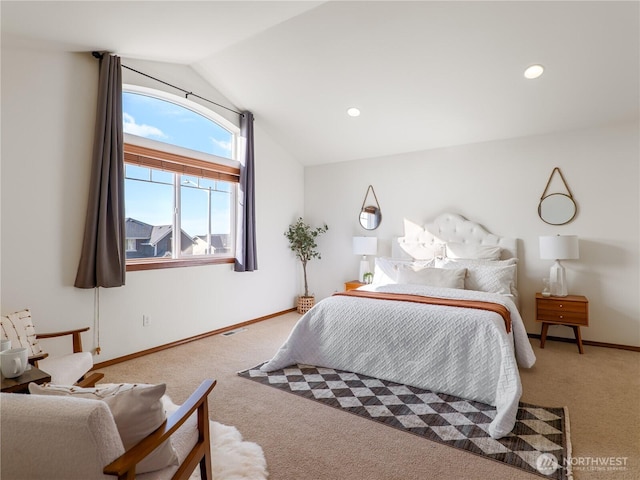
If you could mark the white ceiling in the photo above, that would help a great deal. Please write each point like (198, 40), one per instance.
(425, 74)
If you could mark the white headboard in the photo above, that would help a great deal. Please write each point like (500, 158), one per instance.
(422, 242)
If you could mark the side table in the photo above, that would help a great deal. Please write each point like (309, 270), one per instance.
(21, 384)
(353, 284)
(570, 311)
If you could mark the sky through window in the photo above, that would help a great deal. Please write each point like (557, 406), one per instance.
(149, 193)
(174, 124)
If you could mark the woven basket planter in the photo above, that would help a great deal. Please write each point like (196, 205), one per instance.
(305, 304)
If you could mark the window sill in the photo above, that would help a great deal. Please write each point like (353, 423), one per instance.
(155, 264)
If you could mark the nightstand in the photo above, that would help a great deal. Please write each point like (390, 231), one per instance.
(570, 311)
(353, 284)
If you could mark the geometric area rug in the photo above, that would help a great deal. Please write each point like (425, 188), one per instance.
(538, 444)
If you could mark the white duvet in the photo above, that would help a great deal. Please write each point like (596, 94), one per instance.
(459, 351)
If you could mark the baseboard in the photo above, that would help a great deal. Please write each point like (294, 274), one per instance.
(588, 342)
(142, 353)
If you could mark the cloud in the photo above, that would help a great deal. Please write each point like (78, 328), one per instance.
(147, 131)
(226, 146)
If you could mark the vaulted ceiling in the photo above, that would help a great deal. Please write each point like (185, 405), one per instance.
(424, 74)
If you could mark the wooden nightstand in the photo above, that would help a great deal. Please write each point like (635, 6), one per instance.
(570, 311)
(353, 284)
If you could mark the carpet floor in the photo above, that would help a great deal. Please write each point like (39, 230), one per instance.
(538, 444)
(305, 440)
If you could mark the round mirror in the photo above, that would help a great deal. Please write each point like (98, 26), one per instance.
(557, 209)
(370, 217)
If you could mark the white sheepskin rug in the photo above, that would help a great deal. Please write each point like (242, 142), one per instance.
(231, 457)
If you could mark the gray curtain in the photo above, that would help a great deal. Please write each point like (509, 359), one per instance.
(246, 257)
(102, 261)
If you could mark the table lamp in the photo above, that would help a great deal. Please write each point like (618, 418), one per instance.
(558, 247)
(364, 246)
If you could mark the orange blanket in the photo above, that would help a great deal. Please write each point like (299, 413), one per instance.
(451, 302)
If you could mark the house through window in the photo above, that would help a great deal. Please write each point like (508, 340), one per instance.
(181, 181)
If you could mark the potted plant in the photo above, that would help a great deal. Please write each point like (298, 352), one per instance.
(302, 241)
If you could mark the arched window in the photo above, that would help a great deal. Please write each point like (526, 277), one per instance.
(181, 175)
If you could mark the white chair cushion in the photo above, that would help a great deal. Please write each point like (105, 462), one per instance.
(56, 438)
(137, 410)
(182, 440)
(67, 369)
(18, 327)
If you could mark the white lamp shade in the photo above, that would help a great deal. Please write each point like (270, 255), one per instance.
(559, 247)
(365, 245)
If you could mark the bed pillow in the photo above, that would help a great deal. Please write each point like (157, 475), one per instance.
(137, 410)
(475, 261)
(386, 269)
(465, 250)
(433, 277)
(485, 277)
(418, 250)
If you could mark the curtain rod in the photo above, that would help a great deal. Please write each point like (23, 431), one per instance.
(186, 92)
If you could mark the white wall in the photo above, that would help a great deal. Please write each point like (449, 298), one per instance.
(48, 114)
(48, 110)
(499, 185)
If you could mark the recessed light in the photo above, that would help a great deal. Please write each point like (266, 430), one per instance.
(353, 112)
(534, 71)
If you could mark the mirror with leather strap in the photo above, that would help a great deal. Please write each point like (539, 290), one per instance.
(370, 215)
(557, 208)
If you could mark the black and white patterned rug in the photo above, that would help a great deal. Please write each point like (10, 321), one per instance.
(539, 442)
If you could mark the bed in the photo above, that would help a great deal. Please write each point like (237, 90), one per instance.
(471, 348)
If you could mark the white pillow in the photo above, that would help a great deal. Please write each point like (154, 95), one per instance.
(137, 410)
(476, 261)
(419, 250)
(483, 277)
(386, 269)
(465, 250)
(433, 277)
(18, 327)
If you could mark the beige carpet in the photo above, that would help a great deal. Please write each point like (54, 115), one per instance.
(304, 440)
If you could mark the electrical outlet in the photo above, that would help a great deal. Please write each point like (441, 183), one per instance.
(146, 321)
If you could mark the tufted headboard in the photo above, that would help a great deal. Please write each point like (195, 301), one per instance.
(425, 242)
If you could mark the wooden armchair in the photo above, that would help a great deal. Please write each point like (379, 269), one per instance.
(47, 437)
(50, 365)
(73, 368)
(124, 467)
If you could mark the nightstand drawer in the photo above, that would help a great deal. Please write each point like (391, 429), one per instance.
(561, 306)
(577, 318)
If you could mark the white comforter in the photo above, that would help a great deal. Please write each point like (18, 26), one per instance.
(459, 351)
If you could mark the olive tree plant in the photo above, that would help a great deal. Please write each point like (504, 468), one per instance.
(302, 241)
